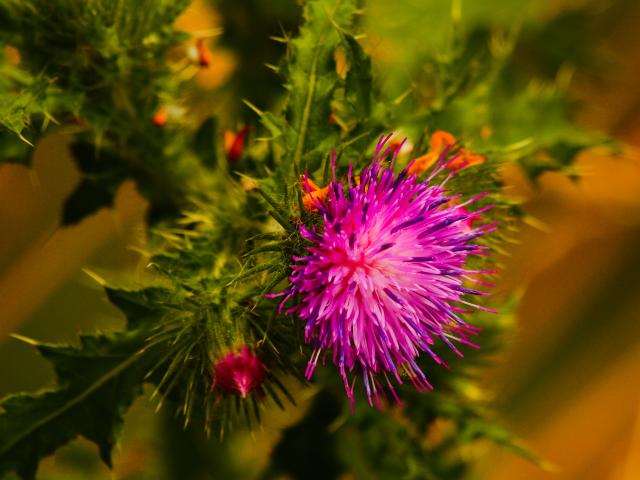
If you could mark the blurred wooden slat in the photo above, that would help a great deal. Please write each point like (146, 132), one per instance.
(630, 464)
(573, 436)
(49, 258)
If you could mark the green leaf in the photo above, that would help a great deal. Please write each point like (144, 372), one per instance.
(96, 384)
(142, 308)
(88, 197)
(24, 98)
(103, 173)
(359, 81)
(14, 150)
(310, 73)
(538, 119)
(104, 169)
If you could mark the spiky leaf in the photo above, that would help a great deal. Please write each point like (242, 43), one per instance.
(96, 384)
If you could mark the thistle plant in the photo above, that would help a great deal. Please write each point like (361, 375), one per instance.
(315, 237)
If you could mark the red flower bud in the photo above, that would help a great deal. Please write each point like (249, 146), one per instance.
(204, 55)
(234, 143)
(160, 117)
(239, 373)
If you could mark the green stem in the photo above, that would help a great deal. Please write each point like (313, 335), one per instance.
(304, 123)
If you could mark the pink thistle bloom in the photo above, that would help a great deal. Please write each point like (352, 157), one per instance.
(383, 278)
(239, 373)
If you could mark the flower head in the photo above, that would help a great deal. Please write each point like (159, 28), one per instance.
(383, 278)
(239, 373)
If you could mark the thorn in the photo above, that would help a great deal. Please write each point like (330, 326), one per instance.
(24, 339)
(253, 107)
(536, 223)
(25, 140)
(101, 281)
(403, 96)
(283, 40)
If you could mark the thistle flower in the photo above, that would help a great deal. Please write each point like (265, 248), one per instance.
(239, 373)
(384, 276)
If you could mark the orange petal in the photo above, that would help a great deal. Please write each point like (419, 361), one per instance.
(303, 184)
(422, 163)
(466, 159)
(310, 200)
(440, 140)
